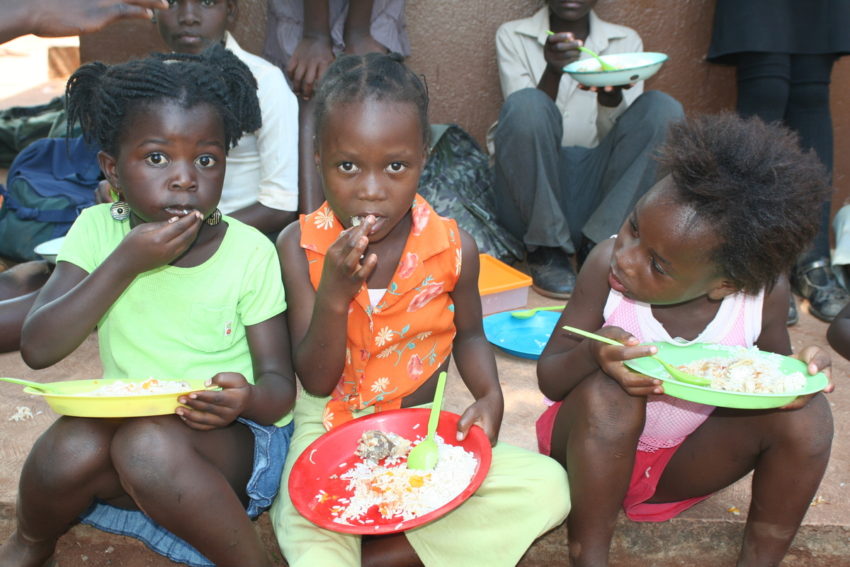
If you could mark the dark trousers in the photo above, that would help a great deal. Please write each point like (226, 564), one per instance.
(549, 195)
(794, 90)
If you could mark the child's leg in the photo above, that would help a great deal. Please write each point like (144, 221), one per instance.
(24, 278)
(19, 287)
(524, 495)
(68, 467)
(192, 483)
(310, 194)
(595, 436)
(788, 452)
(12, 314)
(392, 550)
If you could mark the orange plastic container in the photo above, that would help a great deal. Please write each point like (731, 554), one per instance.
(501, 286)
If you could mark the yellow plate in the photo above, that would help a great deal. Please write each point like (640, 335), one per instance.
(71, 399)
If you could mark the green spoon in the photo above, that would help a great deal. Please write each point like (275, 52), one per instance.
(424, 455)
(529, 313)
(672, 370)
(605, 65)
(46, 388)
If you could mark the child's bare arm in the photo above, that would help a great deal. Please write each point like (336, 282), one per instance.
(838, 333)
(318, 319)
(358, 29)
(774, 337)
(473, 354)
(72, 302)
(567, 359)
(774, 328)
(270, 398)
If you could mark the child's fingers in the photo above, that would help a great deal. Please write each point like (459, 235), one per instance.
(638, 351)
(816, 359)
(367, 267)
(638, 384)
(798, 402)
(469, 418)
(198, 420)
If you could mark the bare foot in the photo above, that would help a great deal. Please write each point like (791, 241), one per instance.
(20, 552)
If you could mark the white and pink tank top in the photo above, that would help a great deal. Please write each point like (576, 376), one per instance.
(670, 420)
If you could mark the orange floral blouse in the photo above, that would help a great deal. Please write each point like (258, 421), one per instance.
(409, 333)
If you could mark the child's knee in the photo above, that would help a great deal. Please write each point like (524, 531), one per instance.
(528, 112)
(144, 450)
(606, 412)
(811, 428)
(72, 448)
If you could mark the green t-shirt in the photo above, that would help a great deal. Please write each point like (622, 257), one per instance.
(181, 323)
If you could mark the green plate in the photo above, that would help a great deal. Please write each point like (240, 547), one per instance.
(72, 399)
(684, 354)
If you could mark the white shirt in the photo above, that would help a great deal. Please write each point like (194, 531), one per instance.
(519, 51)
(263, 166)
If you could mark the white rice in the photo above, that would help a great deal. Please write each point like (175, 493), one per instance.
(147, 387)
(402, 493)
(747, 372)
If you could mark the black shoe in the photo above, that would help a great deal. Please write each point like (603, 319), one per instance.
(552, 275)
(816, 282)
(793, 316)
(583, 250)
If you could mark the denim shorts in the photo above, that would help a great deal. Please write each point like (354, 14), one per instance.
(270, 447)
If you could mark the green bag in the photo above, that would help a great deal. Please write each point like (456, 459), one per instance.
(458, 182)
(22, 125)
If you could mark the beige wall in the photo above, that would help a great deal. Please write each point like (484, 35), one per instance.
(453, 46)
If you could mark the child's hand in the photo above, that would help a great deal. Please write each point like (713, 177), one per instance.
(486, 413)
(817, 360)
(308, 64)
(345, 269)
(560, 50)
(610, 96)
(211, 409)
(154, 244)
(610, 359)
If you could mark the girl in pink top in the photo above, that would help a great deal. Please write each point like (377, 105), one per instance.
(702, 258)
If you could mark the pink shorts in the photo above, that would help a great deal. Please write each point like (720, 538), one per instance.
(645, 476)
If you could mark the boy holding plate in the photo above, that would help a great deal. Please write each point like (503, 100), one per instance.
(570, 161)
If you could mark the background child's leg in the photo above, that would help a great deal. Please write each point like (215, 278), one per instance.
(310, 193)
(303, 543)
(788, 451)
(67, 468)
(19, 286)
(595, 436)
(12, 314)
(24, 278)
(192, 483)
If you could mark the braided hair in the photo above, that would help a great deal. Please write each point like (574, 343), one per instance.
(102, 97)
(373, 76)
(755, 186)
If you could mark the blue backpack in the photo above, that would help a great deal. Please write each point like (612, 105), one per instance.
(49, 183)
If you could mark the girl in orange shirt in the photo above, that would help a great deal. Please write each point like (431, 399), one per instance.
(382, 292)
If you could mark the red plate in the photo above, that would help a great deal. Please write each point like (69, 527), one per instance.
(333, 454)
